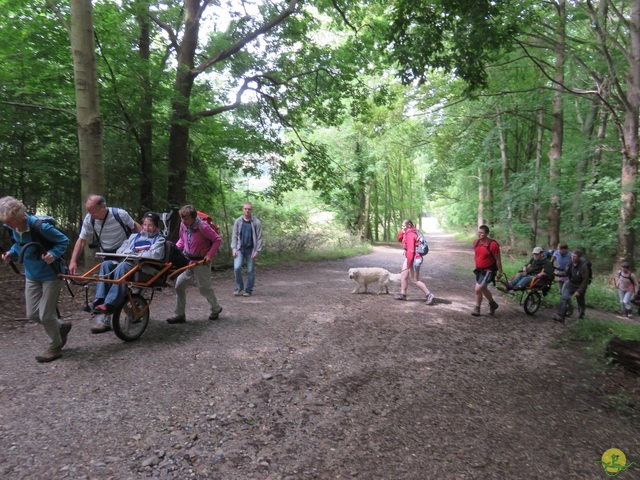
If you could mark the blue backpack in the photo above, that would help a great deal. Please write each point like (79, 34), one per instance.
(422, 246)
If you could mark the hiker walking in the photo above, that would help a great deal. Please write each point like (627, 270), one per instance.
(488, 265)
(576, 286)
(408, 236)
(626, 283)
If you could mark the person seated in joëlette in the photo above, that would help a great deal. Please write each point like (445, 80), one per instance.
(148, 244)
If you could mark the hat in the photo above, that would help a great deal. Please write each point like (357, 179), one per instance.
(625, 264)
(538, 250)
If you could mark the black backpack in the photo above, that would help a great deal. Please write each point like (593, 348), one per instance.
(174, 255)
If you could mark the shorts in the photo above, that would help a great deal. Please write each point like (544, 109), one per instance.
(485, 277)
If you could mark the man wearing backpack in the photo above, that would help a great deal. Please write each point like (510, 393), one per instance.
(578, 278)
(246, 243)
(106, 228)
(488, 265)
(42, 284)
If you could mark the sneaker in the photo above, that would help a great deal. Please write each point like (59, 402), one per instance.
(430, 298)
(237, 293)
(50, 355)
(246, 294)
(214, 316)
(400, 296)
(177, 319)
(65, 328)
(493, 306)
(104, 308)
(90, 307)
(476, 311)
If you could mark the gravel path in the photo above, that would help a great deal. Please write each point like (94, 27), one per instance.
(307, 381)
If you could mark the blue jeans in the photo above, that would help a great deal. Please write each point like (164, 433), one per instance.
(251, 272)
(110, 293)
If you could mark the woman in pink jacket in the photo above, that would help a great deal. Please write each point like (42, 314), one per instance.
(412, 262)
(198, 241)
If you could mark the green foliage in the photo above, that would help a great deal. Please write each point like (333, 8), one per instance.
(456, 36)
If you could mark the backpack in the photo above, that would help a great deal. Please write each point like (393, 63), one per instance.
(587, 262)
(59, 265)
(422, 246)
(36, 231)
(209, 221)
(174, 255)
(116, 215)
(635, 287)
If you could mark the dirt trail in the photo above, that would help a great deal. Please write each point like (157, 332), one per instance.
(305, 380)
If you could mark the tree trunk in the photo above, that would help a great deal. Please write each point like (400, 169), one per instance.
(180, 119)
(629, 199)
(625, 352)
(557, 134)
(87, 102)
(505, 180)
(146, 112)
(535, 205)
(480, 197)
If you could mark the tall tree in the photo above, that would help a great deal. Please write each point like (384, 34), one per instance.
(81, 34)
(557, 132)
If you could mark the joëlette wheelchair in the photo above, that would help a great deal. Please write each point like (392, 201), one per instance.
(530, 295)
(130, 319)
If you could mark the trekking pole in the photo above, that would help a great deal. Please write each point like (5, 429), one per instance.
(11, 264)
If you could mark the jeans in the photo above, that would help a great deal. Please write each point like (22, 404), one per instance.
(521, 280)
(251, 272)
(625, 298)
(110, 293)
(565, 302)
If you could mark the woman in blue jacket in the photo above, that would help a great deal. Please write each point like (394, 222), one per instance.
(41, 267)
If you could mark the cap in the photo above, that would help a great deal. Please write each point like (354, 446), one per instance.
(625, 264)
(538, 250)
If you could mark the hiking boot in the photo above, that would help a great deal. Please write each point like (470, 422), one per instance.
(237, 293)
(214, 316)
(176, 319)
(65, 328)
(493, 306)
(99, 328)
(430, 298)
(476, 311)
(400, 296)
(246, 294)
(50, 355)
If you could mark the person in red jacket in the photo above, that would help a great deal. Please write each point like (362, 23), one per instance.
(488, 265)
(412, 261)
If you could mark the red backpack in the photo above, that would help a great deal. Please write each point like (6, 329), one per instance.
(208, 220)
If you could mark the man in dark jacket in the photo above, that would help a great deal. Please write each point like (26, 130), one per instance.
(539, 267)
(577, 274)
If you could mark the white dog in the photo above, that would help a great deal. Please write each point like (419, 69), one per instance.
(366, 276)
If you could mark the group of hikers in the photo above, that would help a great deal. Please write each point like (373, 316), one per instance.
(40, 246)
(571, 268)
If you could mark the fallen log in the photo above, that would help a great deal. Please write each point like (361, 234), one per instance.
(625, 352)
